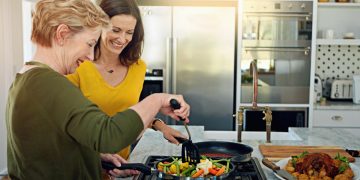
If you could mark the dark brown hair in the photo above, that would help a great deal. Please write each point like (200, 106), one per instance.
(133, 50)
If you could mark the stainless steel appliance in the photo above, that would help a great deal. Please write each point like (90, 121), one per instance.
(195, 45)
(278, 22)
(317, 88)
(356, 89)
(278, 35)
(153, 83)
(341, 89)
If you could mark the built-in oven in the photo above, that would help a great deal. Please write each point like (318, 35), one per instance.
(153, 83)
(277, 21)
(277, 34)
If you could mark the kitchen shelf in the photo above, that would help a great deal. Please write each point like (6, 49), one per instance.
(339, 5)
(338, 41)
(337, 105)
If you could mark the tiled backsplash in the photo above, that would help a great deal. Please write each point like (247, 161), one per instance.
(337, 62)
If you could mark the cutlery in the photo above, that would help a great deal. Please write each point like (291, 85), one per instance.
(282, 173)
(353, 153)
(189, 151)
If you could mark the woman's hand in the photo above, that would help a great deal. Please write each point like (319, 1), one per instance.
(169, 133)
(148, 108)
(117, 161)
(183, 112)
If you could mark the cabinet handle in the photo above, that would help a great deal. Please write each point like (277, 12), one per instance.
(337, 118)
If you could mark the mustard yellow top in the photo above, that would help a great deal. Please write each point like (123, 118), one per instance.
(110, 99)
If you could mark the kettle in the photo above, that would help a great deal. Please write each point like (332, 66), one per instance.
(317, 88)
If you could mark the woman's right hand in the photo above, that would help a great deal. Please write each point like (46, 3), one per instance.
(151, 105)
(183, 112)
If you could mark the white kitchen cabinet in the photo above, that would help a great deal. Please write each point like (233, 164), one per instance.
(335, 58)
(336, 118)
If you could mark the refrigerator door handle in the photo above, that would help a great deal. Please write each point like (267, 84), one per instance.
(174, 61)
(168, 66)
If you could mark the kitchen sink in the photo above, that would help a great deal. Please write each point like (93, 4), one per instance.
(249, 135)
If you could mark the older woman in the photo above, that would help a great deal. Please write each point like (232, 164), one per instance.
(54, 132)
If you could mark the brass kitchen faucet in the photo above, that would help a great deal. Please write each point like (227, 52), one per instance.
(266, 110)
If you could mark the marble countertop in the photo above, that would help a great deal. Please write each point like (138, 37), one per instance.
(152, 142)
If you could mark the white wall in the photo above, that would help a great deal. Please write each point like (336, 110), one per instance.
(28, 46)
(11, 59)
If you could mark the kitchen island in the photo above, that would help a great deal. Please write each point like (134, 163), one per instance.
(152, 142)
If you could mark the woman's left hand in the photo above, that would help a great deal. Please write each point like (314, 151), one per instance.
(117, 161)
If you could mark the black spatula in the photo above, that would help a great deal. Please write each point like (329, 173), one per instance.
(189, 152)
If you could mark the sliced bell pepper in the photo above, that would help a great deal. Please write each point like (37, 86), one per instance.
(213, 171)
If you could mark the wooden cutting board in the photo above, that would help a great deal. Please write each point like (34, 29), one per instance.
(275, 153)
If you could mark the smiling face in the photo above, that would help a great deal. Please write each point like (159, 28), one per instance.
(115, 39)
(80, 46)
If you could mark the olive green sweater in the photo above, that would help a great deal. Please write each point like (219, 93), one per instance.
(54, 132)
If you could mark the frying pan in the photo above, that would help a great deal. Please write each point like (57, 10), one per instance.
(238, 152)
(147, 170)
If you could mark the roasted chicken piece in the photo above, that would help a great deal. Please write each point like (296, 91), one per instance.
(314, 166)
(318, 162)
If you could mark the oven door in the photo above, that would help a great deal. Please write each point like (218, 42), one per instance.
(283, 75)
(277, 24)
(278, 35)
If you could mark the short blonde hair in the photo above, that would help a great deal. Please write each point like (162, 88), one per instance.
(76, 14)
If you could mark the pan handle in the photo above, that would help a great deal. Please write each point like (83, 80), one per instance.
(135, 166)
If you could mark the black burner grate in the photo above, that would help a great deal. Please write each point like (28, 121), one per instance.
(250, 170)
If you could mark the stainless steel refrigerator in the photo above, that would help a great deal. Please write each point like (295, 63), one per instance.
(195, 46)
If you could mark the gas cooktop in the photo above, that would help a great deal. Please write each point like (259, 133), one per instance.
(250, 170)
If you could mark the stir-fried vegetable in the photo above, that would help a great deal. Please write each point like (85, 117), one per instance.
(206, 168)
(221, 171)
(198, 173)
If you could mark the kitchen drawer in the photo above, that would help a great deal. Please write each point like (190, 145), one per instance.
(336, 118)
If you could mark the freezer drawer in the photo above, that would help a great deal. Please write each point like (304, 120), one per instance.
(336, 118)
